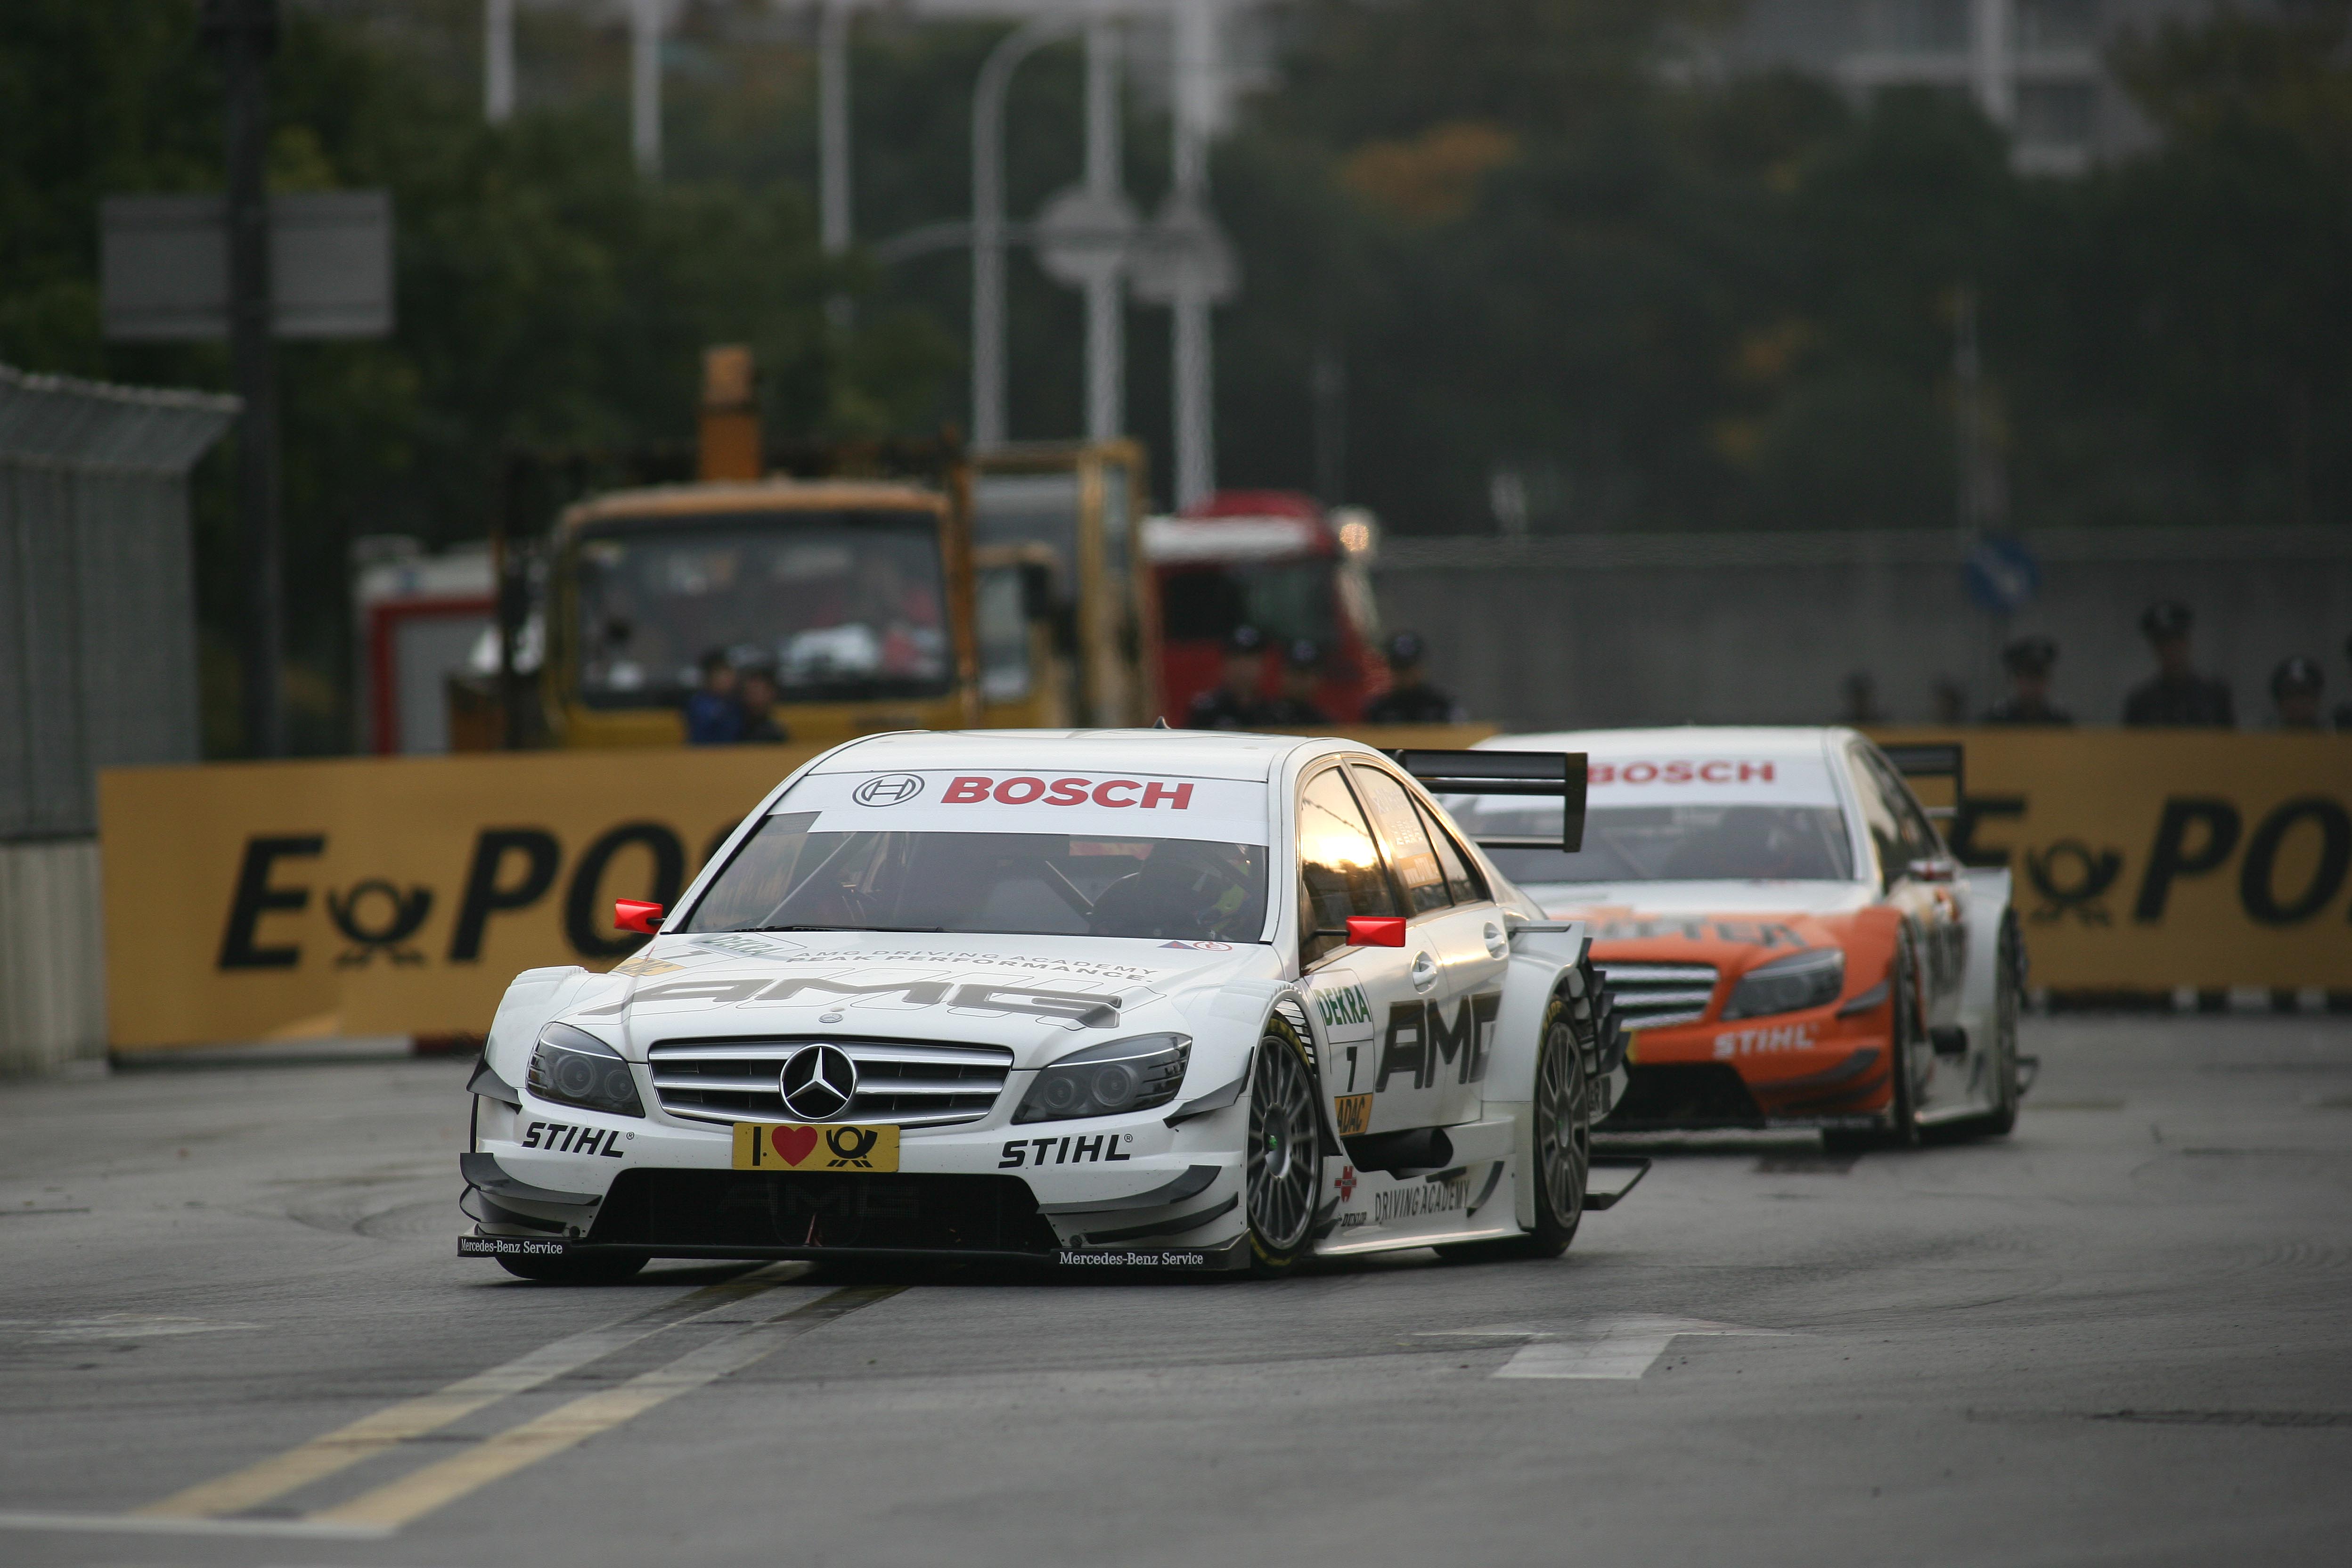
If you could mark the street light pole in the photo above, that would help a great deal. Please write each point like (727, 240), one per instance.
(644, 85)
(245, 34)
(988, 371)
(833, 125)
(832, 141)
(1105, 290)
(498, 61)
(1192, 346)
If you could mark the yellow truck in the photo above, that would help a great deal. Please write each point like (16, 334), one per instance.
(1001, 590)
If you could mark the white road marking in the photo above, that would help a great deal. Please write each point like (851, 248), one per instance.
(114, 1326)
(338, 1450)
(137, 1524)
(412, 1497)
(1617, 1348)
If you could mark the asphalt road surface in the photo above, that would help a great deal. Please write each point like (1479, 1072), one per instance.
(233, 1330)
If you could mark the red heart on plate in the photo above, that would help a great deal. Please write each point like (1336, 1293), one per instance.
(793, 1144)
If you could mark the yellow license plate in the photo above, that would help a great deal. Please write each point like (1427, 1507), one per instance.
(1355, 1113)
(765, 1146)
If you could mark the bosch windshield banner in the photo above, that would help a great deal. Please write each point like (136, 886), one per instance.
(2149, 860)
(1035, 800)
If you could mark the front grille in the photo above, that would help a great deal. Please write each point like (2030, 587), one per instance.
(1652, 995)
(759, 1210)
(910, 1083)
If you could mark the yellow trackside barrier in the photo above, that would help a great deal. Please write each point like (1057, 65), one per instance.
(390, 895)
(2149, 859)
(398, 896)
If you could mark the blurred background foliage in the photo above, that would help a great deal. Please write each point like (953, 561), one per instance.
(1525, 235)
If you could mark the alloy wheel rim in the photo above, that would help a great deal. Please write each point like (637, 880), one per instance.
(1563, 1135)
(1282, 1165)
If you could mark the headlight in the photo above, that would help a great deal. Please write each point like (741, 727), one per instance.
(573, 1066)
(1122, 1075)
(1809, 979)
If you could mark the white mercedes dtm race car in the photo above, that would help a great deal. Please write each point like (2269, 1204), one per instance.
(1138, 999)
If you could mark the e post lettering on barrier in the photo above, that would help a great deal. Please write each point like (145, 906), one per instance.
(390, 894)
(2146, 860)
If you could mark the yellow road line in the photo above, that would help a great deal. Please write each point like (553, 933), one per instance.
(517, 1448)
(339, 1450)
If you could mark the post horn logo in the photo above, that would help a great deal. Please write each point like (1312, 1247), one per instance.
(374, 917)
(2071, 879)
(850, 1145)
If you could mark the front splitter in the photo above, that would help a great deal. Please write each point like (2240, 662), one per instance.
(1229, 1257)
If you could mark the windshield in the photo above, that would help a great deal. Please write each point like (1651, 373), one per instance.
(1286, 600)
(1044, 884)
(1673, 843)
(840, 605)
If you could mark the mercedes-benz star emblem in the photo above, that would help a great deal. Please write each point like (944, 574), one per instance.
(889, 789)
(818, 1082)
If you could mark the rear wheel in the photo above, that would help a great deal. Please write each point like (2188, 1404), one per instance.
(1563, 1147)
(2007, 1001)
(572, 1271)
(1285, 1164)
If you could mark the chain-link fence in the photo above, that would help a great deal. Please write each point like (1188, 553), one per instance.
(98, 668)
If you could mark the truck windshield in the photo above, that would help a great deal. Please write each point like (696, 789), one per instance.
(1060, 884)
(840, 605)
(1284, 599)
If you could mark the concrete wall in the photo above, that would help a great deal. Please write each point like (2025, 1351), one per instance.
(1614, 629)
(52, 956)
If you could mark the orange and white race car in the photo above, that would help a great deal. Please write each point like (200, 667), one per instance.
(1786, 934)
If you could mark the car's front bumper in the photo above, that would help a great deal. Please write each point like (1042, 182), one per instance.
(1130, 1188)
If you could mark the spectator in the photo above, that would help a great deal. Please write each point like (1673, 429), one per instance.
(1302, 668)
(2344, 710)
(1862, 700)
(757, 699)
(713, 716)
(2028, 661)
(1236, 701)
(2295, 686)
(1410, 699)
(2178, 696)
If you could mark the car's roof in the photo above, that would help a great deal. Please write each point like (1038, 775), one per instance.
(1680, 740)
(1198, 753)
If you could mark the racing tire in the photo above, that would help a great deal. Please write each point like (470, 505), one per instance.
(572, 1271)
(1905, 1031)
(2008, 1002)
(1282, 1173)
(1563, 1150)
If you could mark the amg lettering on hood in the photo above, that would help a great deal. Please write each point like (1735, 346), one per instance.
(1077, 1008)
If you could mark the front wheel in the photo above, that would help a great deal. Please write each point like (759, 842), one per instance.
(1904, 1029)
(1563, 1147)
(1285, 1165)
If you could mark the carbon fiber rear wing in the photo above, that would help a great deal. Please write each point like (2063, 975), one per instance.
(1547, 774)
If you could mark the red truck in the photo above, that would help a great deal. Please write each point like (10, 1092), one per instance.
(1278, 561)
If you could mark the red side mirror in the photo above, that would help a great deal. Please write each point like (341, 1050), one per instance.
(631, 915)
(1375, 930)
